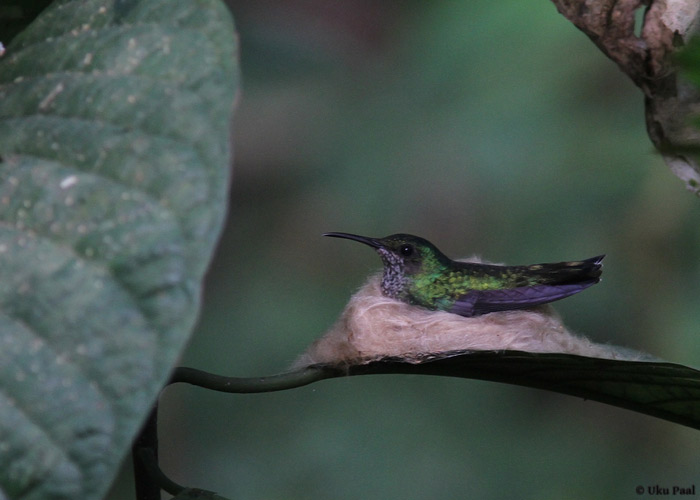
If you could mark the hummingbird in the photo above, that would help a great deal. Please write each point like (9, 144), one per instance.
(417, 273)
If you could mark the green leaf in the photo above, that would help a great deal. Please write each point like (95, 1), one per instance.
(197, 494)
(114, 167)
(663, 390)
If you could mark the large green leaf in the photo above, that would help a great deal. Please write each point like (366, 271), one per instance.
(114, 146)
(664, 390)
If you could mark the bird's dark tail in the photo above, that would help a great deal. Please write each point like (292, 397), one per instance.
(549, 282)
(562, 273)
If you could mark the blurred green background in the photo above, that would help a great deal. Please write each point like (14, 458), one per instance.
(490, 128)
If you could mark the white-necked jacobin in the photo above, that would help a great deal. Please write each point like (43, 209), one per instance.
(417, 273)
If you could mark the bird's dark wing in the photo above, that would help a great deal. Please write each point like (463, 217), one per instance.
(478, 302)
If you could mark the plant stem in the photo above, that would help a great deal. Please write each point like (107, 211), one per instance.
(146, 486)
(289, 380)
(148, 478)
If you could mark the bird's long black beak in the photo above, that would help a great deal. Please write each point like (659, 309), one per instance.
(373, 242)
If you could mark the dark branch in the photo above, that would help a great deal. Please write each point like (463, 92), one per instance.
(663, 390)
(158, 478)
(239, 385)
(147, 488)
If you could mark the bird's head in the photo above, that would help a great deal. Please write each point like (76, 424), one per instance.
(404, 256)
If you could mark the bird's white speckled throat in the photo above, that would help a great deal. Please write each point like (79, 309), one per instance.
(393, 280)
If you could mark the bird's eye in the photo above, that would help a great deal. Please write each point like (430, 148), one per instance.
(406, 250)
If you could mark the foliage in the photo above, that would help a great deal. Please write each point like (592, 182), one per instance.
(115, 155)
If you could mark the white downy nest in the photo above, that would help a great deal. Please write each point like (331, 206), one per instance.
(373, 326)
